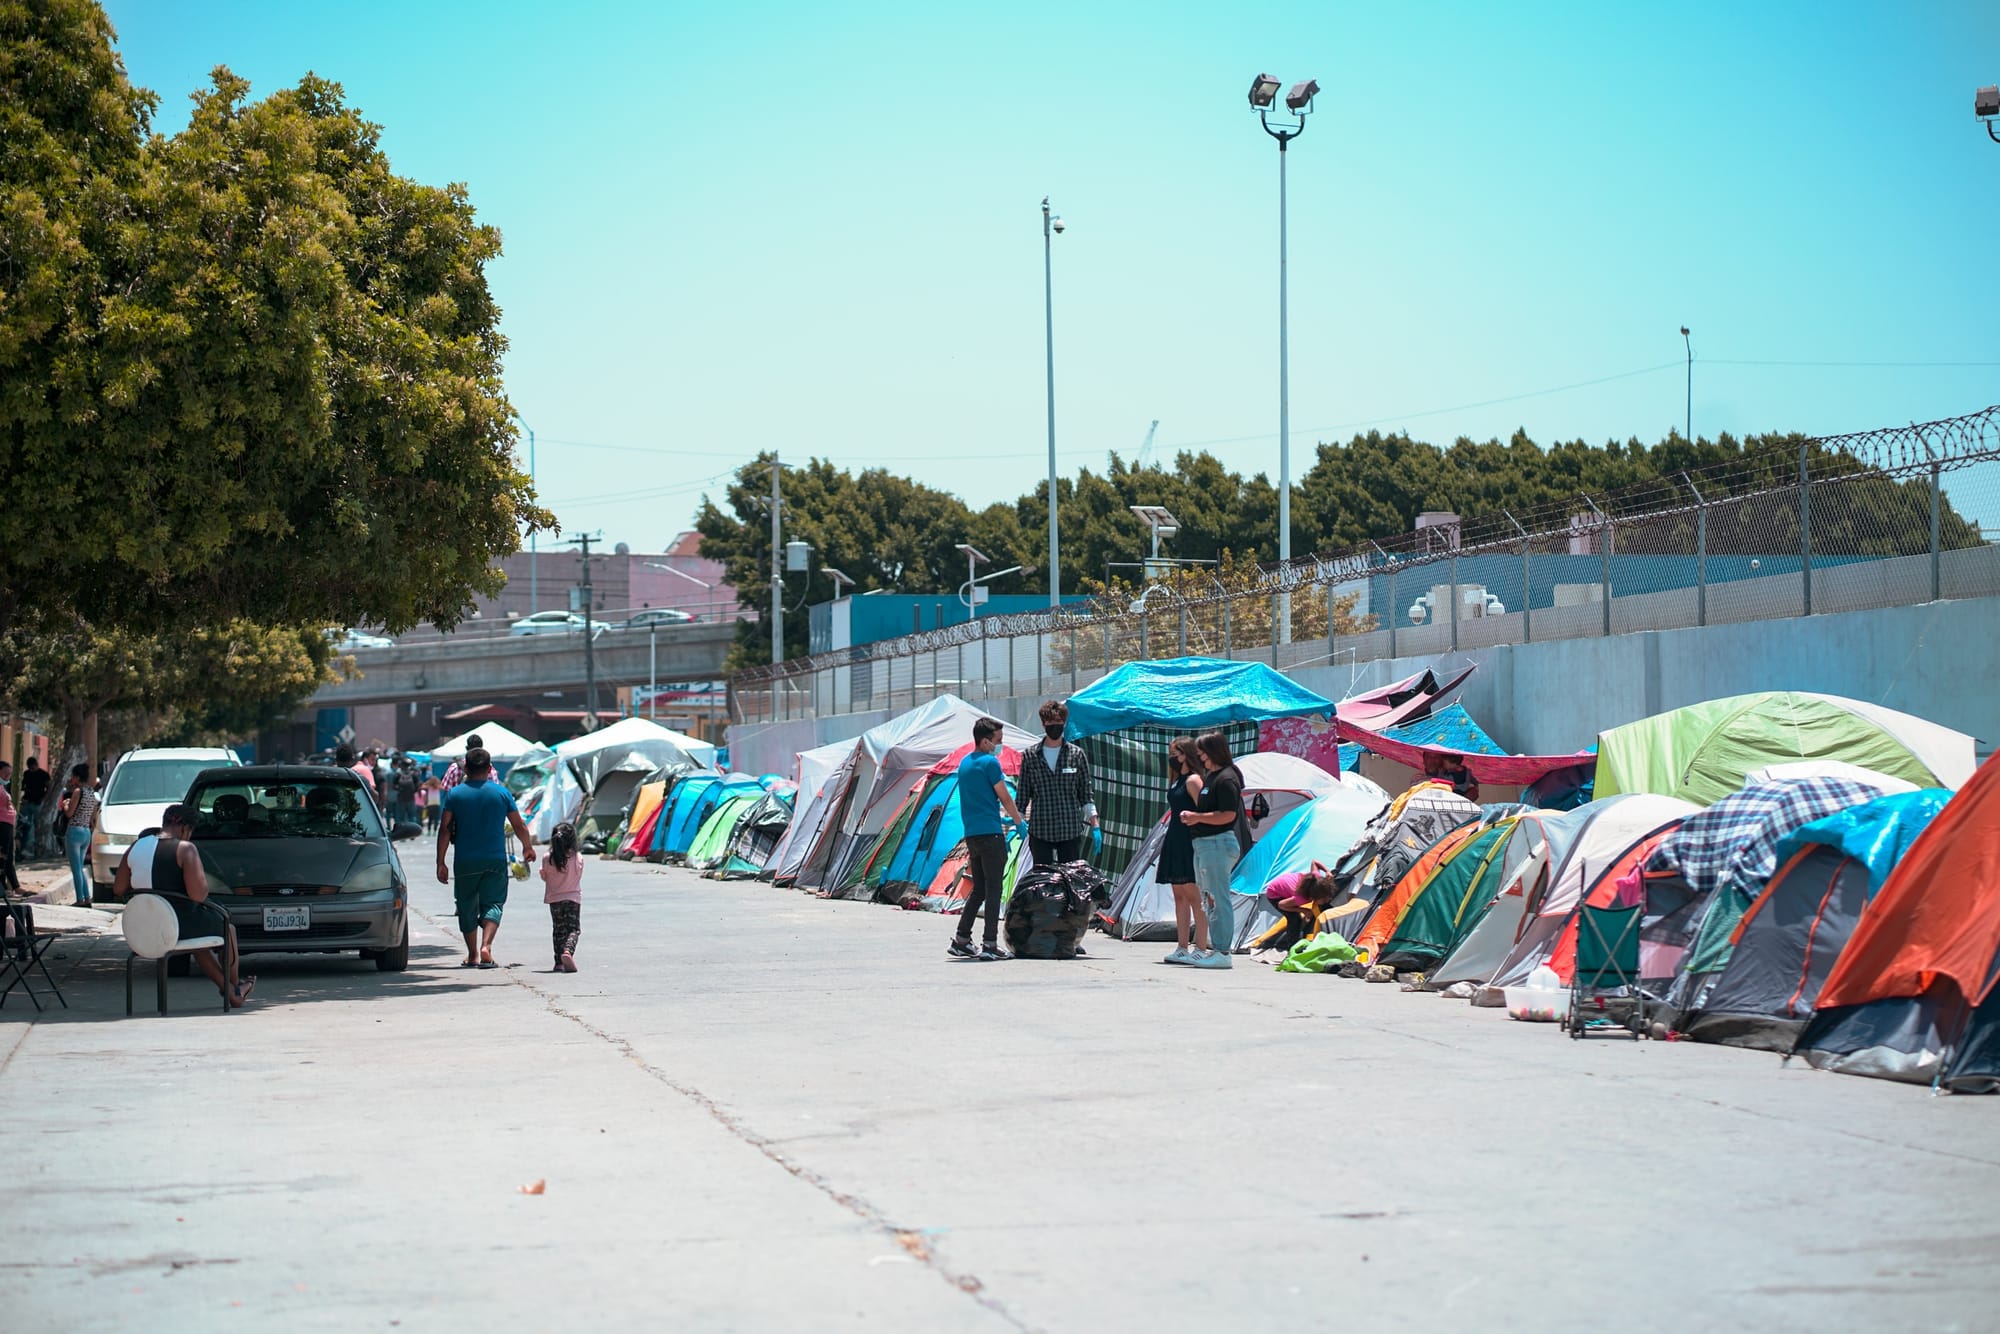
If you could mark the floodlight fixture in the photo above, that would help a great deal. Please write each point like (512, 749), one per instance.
(1263, 92)
(1299, 100)
(1986, 102)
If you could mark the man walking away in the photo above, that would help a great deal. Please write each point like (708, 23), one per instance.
(1055, 791)
(982, 799)
(34, 791)
(454, 773)
(406, 791)
(165, 862)
(477, 814)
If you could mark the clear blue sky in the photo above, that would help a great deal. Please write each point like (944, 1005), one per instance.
(817, 228)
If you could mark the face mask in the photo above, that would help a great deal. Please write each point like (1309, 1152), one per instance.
(1053, 733)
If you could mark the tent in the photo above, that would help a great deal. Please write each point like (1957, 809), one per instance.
(505, 746)
(1125, 721)
(646, 806)
(711, 841)
(757, 835)
(1458, 896)
(1144, 909)
(1913, 996)
(601, 819)
(1539, 842)
(695, 799)
(1321, 830)
(1410, 703)
(1703, 752)
(1403, 832)
(886, 761)
(1722, 858)
(581, 761)
(1791, 936)
(1394, 903)
(930, 804)
(1487, 767)
(817, 771)
(1611, 829)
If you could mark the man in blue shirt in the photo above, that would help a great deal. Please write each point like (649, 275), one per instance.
(476, 815)
(985, 806)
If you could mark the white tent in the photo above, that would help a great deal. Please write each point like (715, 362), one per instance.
(503, 744)
(581, 760)
(817, 772)
(1623, 821)
(887, 759)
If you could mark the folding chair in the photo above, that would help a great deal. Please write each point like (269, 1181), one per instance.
(1607, 960)
(21, 956)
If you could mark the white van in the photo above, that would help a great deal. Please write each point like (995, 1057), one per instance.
(143, 784)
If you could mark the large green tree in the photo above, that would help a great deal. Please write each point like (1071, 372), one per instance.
(255, 373)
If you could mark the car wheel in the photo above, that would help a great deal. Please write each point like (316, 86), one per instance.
(395, 960)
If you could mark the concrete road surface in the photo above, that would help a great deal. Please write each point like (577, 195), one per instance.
(757, 1111)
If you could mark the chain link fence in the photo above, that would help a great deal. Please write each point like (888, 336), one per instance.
(1841, 523)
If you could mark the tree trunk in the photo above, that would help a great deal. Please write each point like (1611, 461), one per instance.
(79, 723)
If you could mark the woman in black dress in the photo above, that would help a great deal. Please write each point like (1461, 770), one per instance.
(1177, 853)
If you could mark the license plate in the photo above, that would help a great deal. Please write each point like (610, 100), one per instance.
(287, 919)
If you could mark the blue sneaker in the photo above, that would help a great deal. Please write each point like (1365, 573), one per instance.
(1212, 959)
(1181, 954)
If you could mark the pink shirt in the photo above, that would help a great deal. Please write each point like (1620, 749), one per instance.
(1281, 888)
(6, 806)
(366, 774)
(565, 885)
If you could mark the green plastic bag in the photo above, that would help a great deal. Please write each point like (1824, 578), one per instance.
(1317, 954)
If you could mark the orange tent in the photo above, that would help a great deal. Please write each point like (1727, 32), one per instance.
(1383, 922)
(1909, 997)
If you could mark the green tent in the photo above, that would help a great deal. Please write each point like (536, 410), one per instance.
(711, 841)
(1703, 752)
(1451, 904)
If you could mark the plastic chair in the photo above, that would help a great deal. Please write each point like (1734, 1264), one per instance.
(152, 931)
(1607, 960)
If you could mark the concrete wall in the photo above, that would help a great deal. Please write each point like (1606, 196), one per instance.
(1937, 660)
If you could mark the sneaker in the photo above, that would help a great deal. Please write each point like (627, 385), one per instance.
(1212, 959)
(1079, 952)
(992, 954)
(1181, 954)
(961, 949)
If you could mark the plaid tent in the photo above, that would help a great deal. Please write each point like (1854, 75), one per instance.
(1128, 774)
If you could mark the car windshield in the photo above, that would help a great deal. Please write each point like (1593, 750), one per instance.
(154, 782)
(297, 809)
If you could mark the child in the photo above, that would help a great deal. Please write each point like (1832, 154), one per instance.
(431, 798)
(562, 874)
(421, 800)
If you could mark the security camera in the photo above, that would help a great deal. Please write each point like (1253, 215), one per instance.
(1056, 224)
(1986, 102)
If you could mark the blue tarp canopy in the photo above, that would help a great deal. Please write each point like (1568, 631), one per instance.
(1188, 693)
(1451, 727)
(1876, 833)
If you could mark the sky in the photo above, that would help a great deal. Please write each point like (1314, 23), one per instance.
(817, 228)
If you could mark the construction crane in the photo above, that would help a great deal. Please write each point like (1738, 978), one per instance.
(1146, 449)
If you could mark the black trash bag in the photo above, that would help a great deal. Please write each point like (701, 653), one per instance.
(1051, 908)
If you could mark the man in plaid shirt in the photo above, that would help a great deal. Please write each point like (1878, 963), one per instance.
(1055, 791)
(454, 773)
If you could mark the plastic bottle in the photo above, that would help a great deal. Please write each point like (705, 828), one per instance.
(1544, 979)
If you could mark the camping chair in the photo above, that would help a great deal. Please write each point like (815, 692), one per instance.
(1607, 960)
(21, 951)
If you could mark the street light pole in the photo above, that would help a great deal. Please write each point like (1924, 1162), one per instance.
(534, 561)
(1688, 431)
(1263, 92)
(1051, 225)
(589, 636)
(777, 572)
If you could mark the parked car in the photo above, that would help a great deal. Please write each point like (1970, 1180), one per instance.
(303, 862)
(354, 639)
(645, 620)
(143, 783)
(547, 623)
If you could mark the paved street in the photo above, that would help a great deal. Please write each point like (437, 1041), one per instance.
(754, 1110)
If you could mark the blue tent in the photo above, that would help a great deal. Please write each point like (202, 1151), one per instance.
(1321, 831)
(688, 809)
(1451, 727)
(682, 799)
(1876, 833)
(933, 831)
(1190, 694)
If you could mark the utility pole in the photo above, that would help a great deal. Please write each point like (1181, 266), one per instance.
(777, 569)
(583, 540)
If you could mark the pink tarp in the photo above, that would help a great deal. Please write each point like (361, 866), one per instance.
(1522, 769)
(1313, 738)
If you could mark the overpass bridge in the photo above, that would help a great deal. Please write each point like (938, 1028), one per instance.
(471, 667)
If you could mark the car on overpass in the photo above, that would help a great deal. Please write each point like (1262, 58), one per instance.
(547, 623)
(658, 617)
(350, 640)
(303, 862)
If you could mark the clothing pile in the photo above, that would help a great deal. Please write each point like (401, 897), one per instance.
(1051, 908)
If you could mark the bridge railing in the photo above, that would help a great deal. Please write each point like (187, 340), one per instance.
(606, 620)
(1836, 523)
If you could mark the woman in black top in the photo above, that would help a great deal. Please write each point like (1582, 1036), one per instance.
(1184, 784)
(1213, 823)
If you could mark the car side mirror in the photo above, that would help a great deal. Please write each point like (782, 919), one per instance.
(405, 829)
